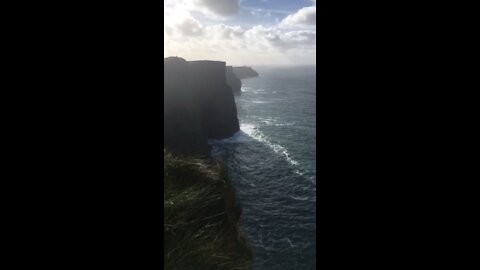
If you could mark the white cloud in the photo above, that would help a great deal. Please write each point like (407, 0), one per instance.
(238, 46)
(179, 22)
(222, 31)
(193, 39)
(189, 27)
(274, 38)
(260, 13)
(305, 17)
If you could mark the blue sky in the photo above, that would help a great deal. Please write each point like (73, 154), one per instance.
(242, 32)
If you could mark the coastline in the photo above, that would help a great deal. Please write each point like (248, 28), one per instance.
(201, 220)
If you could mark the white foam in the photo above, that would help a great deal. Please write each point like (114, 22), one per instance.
(284, 124)
(299, 198)
(260, 102)
(248, 132)
(249, 129)
(273, 122)
(253, 132)
(246, 89)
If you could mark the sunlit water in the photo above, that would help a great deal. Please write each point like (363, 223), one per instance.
(272, 165)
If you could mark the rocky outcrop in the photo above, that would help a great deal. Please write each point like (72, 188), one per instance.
(244, 72)
(232, 80)
(198, 105)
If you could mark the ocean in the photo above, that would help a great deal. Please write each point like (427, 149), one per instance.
(273, 168)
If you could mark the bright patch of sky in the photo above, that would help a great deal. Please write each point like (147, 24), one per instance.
(242, 32)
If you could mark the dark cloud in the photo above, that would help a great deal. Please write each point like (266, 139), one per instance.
(224, 8)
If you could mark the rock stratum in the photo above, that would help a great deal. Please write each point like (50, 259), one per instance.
(198, 105)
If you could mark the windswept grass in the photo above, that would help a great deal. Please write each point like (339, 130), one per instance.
(201, 218)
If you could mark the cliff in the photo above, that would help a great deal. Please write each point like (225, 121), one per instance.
(201, 218)
(244, 72)
(232, 80)
(198, 105)
(201, 213)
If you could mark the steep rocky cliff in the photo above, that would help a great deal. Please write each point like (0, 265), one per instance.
(201, 217)
(232, 80)
(201, 213)
(244, 72)
(199, 105)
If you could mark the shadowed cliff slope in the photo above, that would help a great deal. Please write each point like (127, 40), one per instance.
(198, 105)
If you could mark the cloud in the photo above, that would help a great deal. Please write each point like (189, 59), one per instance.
(189, 27)
(305, 17)
(291, 41)
(274, 38)
(222, 31)
(259, 13)
(238, 46)
(179, 22)
(222, 8)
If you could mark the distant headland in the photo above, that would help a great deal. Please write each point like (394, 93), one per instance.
(244, 72)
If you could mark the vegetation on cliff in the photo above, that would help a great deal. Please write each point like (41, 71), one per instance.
(201, 217)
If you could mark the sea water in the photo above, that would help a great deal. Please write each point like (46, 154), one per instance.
(272, 165)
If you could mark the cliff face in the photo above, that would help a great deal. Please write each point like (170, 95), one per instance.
(244, 72)
(199, 105)
(232, 80)
(183, 129)
(201, 217)
(201, 213)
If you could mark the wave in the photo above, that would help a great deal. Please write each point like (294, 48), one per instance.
(253, 132)
(273, 122)
(246, 89)
(261, 102)
(249, 132)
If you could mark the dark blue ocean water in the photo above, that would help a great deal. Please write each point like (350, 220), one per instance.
(272, 166)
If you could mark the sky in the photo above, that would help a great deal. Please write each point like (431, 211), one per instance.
(241, 32)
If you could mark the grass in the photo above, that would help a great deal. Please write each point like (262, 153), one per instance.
(201, 217)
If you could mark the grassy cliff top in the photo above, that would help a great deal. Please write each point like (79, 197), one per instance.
(201, 217)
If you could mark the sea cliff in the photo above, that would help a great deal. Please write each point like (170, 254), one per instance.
(201, 213)
(198, 105)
